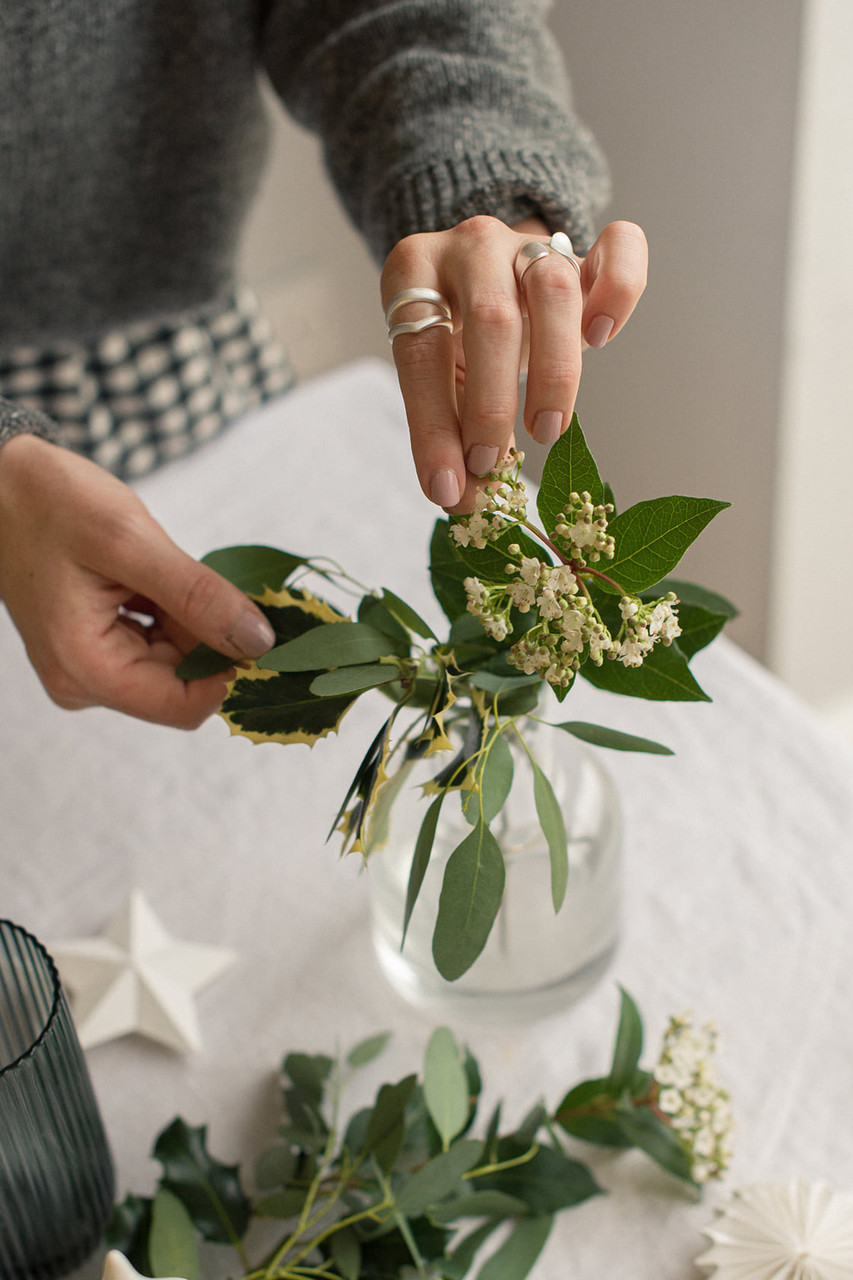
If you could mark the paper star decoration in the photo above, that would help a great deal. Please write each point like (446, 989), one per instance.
(135, 978)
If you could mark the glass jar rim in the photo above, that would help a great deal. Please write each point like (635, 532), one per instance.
(9, 925)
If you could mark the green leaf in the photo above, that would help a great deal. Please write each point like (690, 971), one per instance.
(471, 894)
(128, 1230)
(406, 614)
(270, 707)
(492, 682)
(209, 1190)
(386, 1127)
(345, 1250)
(373, 612)
(554, 830)
(652, 1135)
(308, 1072)
(569, 468)
(547, 1182)
(628, 1046)
(354, 679)
(172, 1245)
(600, 736)
(651, 537)
(282, 1205)
(489, 563)
(275, 1166)
(495, 778)
(252, 568)
(587, 1112)
(447, 572)
(698, 628)
(421, 857)
(437, 1178)
(479, 1204)
(201, 662)
(445, 1085)
(366, 1050)
(460, 1260)
(663, 677)
(514, 1259)
(333, 644)
(693, 594)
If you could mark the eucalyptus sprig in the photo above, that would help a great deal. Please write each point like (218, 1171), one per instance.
(402, 1188)
(529, 606)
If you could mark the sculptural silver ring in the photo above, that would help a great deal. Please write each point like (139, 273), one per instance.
(416, 295)
(534, 250)
(418, 326)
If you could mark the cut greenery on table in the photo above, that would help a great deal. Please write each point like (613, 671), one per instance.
(403, 1188)
(585, 591)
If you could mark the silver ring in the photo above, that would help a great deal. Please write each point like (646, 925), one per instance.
(418, 326)
(415, 295)
(534, 251)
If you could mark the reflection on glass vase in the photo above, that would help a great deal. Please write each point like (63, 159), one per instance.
(535, 962)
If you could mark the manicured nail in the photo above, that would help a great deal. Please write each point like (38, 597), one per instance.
(444, 489)
(599, 330)
(481, 459)
(547, 426)
(252, 635)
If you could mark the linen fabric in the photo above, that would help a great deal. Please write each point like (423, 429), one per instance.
(132, 138)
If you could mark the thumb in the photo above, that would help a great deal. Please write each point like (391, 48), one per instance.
(198, 599)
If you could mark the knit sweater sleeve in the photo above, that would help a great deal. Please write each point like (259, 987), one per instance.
(15, 421)
(431, 111)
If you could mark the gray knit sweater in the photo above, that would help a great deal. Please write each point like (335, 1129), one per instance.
(132, 139)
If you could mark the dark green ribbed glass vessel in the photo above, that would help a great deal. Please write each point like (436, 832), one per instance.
(56, 1174)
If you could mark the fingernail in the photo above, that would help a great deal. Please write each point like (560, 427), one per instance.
(444, 489)
(547, 426)
(252, 635)
(481, 459)
(599, 330)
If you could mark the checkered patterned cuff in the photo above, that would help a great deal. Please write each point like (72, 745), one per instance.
(137, 398)
(15, 421)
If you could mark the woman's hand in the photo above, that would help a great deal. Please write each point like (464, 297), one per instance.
(461, 390)
(79, 552)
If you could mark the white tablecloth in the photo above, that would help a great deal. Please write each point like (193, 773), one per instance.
(739, 864)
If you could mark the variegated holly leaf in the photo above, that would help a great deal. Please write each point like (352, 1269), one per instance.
(274, 706)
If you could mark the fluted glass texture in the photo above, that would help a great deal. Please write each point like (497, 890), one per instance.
(56, 1176)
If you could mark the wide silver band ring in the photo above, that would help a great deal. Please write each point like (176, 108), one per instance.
(534, 250)
(418, 326)
(415, 295)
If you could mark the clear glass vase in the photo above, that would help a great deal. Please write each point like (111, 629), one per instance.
(535, 961)
(56, 1173)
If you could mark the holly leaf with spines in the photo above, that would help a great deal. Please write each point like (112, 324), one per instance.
(568, 468)
(652, 536)
(470, 897)
(271, 706)
(128, 1230)
(209, 1190)
(663, 677)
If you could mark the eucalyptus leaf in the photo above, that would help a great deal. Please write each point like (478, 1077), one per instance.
(496, 777)
(663, 677)
(407, 615)
(437, 1178)
(201, 662)
(172, 1244)
(598, 735)
(386, 1127)
(479, 1204)
(471, 895)
(651, 537)
(354, 679)
(515, 1257)
(366, 1050)
(420, 858)
(282, 1205)
(462, 1256)
(628, 1046)
(209, 1189)
(275, 1166)
(252, 568)
(492, 682)
(445, 1085)
(372, 611)
(345, 1250)
(547, 1182)
(569, 468)
(333, 644)
(554, 830)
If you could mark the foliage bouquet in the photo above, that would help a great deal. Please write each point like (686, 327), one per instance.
(530, 605)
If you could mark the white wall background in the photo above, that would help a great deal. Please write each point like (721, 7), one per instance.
(725, 125)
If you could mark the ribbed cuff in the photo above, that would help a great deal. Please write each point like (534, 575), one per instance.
(510, 185)
(15, 421)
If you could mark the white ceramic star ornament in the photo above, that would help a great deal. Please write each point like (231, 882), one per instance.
(135, 978)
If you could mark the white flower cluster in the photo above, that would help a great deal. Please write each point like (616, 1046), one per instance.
(582, 529)
(497, 507)
(691, 1097)
(645, 624)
